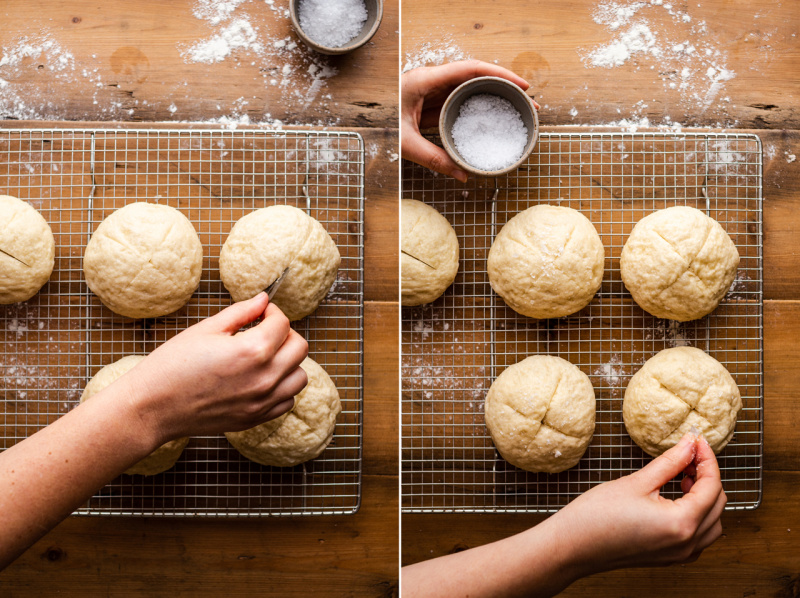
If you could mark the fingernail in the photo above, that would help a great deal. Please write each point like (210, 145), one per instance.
(460, 175)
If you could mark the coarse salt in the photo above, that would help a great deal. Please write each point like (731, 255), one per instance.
(489, 133)
(332, 23)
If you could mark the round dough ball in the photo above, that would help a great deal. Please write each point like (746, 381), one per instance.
(547, 262)
(678, 263)
(27, 250)
(540, 413)
(264, 243)
(144, 260)
(161, 459)
(429, 253)
(678, 389)
(299, 435)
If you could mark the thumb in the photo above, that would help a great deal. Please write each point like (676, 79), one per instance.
(232, 318)
(662, 469)
(418, 149)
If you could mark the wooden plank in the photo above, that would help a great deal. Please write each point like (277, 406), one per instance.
(381, 250)
(127, 64)
(781, 385)
(340, 556)
(756, 556)
(381, 322)
(545, 43)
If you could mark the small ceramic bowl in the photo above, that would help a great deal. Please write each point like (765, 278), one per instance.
(374, 16)
(495, 86)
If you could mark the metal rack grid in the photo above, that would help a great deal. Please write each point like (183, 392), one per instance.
(52, 344)
(453, 348)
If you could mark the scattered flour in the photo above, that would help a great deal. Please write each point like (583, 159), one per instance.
(611, 372)
(431, 55)
(238, 31)
(215, 11)
(683, 55)
(790, 157)
(489, 132)
(238, 35)
(332, 23)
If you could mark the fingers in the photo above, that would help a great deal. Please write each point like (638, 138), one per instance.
(707, 486)
(435, 79)
(232, 318)
(291, 353)
(662, 469)
(279, 409)
(713, 515)
(270, 334)
(709, 537)
(423, 152)
(283, 394)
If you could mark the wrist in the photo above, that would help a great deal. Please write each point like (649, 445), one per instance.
(138, 409)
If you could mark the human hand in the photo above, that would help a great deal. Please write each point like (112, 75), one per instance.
(423, 92)
(209, 379)
(627, 523)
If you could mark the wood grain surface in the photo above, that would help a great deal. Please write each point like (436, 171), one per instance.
(127, 63)
(131, 61)
(545, 42)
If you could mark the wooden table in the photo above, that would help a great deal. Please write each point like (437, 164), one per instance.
(127, 59)
(759, 553)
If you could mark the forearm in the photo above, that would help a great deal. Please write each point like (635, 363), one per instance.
(536, 562)
(45, 477)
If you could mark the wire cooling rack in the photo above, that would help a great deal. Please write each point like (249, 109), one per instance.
(453, 348)
(52, 344)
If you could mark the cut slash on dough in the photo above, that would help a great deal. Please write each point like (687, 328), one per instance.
(540, 413)
(264, 243)
(675, 391)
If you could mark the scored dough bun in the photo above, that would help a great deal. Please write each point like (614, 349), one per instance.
(678, 389)
(27, 250)
(540, 413)
(678, 263)
(144, 260)
(547, 262)
(299, 435)
(161, 459)
(264, 243)
(429, 253)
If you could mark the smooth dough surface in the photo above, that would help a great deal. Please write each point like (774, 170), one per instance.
(429, 253)
(540, 413)
(299, 435)
(547, 262)
(676, 389)
(144, 260)
(265, 242)
(678, 263)
(27, 250)
(165, 456)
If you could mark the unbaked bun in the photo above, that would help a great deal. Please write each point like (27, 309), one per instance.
(265, 242)
(165, 456)
(27, 250)
(299, 435)
(678, 263)
(547, 262)
(429, 253)
(540, 413)
(676, 390)
(144, 260)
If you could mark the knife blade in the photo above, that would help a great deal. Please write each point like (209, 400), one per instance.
(273, 288)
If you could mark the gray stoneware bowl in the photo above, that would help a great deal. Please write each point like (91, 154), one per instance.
(499, 87)
(374, 16)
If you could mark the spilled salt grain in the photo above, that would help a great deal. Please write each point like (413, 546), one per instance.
(332, 23)
(489, 132)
